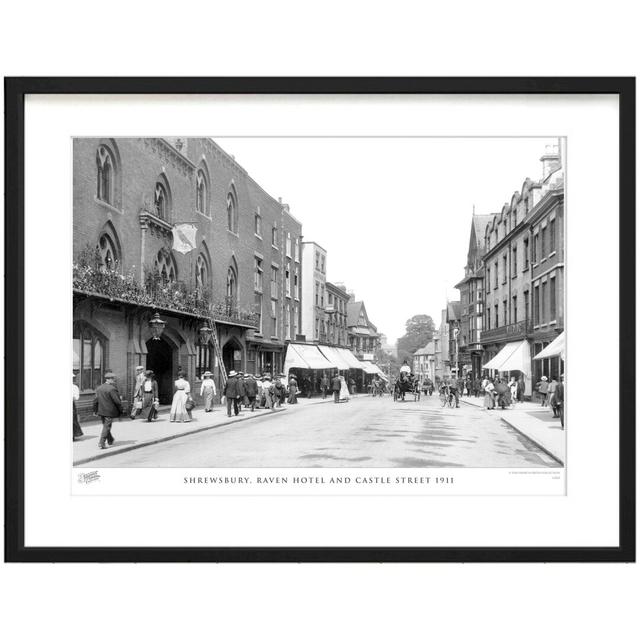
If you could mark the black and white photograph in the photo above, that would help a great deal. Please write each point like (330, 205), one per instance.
(319, 302)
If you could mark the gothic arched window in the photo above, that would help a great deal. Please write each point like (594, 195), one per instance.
(232, 284)
(88, 356)
(108, 252)
(161, 201)
(104, 161)
(202, 272)
(232, 212)
(201, 193)
(166, 268)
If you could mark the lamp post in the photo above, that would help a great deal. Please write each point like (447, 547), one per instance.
(156, 324)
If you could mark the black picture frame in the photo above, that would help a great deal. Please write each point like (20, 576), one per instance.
(15, 91)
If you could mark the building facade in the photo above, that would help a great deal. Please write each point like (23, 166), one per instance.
(364, 339)
(314, 283)
(424, 365)
(471, 289)
(146, 294)
(336, 312)
(523, 269)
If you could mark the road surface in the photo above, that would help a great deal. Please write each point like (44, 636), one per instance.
(365, 432)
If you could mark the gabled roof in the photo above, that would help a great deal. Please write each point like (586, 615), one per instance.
(428, 350)
(453, 310)
(353, 312)
(480, 222)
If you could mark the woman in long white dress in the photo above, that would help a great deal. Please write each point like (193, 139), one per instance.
(344, 390)
(179, 411)
(208, 390)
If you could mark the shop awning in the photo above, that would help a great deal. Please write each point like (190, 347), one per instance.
(312, 356)
(554, 349)
(332, 354)
(348, 357)
(293, 360)
(514, 356)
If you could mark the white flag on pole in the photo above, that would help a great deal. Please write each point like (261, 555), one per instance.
(184, 237)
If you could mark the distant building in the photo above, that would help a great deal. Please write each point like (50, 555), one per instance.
(336, 314)
(471, 289)
(314, 283)
(424, 362)
(364, 339)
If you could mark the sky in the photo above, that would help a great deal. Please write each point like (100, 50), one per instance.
(394, 214)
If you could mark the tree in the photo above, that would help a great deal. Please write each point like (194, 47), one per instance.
(419, 332)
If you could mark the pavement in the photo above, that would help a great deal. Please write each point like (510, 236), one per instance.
(533, 421)
(366, 432)
(133, 434)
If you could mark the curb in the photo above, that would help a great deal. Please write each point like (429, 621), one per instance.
(522, 433)
(145, 443)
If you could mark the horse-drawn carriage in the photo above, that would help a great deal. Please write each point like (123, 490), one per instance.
(406, 383)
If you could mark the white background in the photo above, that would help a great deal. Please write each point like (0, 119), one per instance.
(320, 601)
(587, 516)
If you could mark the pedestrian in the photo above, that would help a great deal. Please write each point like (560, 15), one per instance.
(136, 401)
(107, 405)
(469, 386)
(335, 386)
(559, 400)
(542, 388)
(324, 385)
(488, 394)
(513, 388)
(344, 390)
(293, 390)
(477, 387)
(267, 392)
(179, 405)
(232, 392)
(208, 390)
(148, 393)
(456, 385)
(259, 396)
(551, 394)
(77, 431)
(279, 391)
(352, 386)
(521, 388)
(504, 393)
(251, 390)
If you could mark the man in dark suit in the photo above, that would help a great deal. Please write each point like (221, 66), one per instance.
(108, 406)
(250, 390)
(233, 392)
(335, 386)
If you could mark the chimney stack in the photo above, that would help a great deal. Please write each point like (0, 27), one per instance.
(550, 160)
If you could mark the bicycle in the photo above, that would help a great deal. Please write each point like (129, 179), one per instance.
(448, 399)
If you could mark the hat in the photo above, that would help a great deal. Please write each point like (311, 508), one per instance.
(267, 377)
(148, 372)
(247, 375)
(73, 375)
(232, 373)
(139, 368)
(207, 373)
(544, 378)
(109, 375)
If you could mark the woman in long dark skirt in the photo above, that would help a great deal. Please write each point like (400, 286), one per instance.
(149, 394)
(77, 431)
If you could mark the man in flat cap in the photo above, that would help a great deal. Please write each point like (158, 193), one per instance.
(108, 406)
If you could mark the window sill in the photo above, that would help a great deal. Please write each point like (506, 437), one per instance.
(515, 275)
(258, 236)
(543, 260)
(553, 253)
(274, 246)
(204, 215)
(108, 206)
(525, 269)
(553, 322)
(233, 233)
(258, 291)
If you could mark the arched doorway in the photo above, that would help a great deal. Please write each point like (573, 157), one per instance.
(160, 361)
(232, 356)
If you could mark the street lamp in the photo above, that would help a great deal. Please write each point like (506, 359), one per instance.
(205, 333)
(157, 326)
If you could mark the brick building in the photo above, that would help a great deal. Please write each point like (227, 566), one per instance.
(244, 270)
(523, 267)
(471, 289)
(336, 311)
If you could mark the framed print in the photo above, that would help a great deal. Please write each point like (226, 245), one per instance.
(320, 319)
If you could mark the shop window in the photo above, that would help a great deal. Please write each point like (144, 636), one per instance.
(88, 356)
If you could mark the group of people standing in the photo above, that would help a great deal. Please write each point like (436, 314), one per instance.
(551, 394)
(256, 392)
